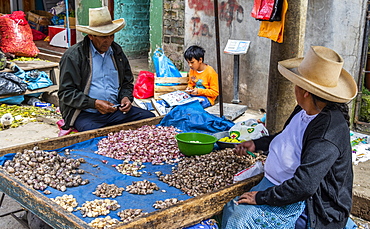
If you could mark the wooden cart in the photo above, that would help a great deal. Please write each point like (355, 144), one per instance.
(183, 214)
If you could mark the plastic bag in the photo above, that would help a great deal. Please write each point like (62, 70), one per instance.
(251, 171)
(37, 79)
(248, 130)
(256, 8)
(265, 10)
(16, 35)
(164, 67)
(11, 84)
(144, 86)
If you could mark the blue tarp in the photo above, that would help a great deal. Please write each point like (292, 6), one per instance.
(108, 174)
(191, 117)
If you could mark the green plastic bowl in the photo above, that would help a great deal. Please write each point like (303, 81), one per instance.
(191, 144)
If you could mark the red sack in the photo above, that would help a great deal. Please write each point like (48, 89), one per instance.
(16, 35)
(144, 86)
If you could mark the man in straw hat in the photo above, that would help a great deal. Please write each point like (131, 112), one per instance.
(96, 82)
(308, 172)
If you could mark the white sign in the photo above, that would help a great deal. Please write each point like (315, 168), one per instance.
(236, 47)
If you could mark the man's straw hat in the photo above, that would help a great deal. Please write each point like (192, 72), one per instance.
(321, 73)
(100, 23)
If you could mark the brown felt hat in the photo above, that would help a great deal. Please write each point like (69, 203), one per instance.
(321, 73)
(100, 23)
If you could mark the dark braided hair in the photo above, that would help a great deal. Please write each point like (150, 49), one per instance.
(343, 107)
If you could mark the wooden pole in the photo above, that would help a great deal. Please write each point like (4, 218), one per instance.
(280, 97)
(217, 28)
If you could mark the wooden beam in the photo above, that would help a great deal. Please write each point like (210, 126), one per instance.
(59, 142)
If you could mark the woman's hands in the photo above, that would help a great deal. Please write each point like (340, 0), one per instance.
(247, 198)
(242, 148)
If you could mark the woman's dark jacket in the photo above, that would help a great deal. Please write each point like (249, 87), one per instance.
(75, 78)
(325, 177)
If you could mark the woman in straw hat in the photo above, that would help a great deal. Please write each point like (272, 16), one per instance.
(96, 82)
(308, 172)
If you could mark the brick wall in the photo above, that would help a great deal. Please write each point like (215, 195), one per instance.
(173, 31)
(134, 38)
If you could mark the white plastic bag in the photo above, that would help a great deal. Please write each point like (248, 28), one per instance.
(251, 171)
(248, 130)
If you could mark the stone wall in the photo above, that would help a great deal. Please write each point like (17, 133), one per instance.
(173, 31)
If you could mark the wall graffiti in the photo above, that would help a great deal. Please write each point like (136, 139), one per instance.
(230, 11)
(199, 28)
(202, 5)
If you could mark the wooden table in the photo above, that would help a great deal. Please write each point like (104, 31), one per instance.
(48, 67)
(185, 213)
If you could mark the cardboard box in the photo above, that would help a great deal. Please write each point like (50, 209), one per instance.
(39, 17)
(72, 22)
(39, 20)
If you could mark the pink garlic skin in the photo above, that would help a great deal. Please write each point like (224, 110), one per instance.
(155, 144)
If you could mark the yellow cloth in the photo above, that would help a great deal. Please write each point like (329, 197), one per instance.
(275, 29)
(206, 82)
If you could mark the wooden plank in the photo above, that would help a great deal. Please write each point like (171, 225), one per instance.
(193, 210)
(182, 80)
(39, 204)
(46, 89)
(59, 142)
(169, 88)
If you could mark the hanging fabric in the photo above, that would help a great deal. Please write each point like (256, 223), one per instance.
(274, 30)
(267, 10)
(276, 13)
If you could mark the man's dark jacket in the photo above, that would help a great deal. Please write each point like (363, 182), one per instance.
(75, 79)
(325, 177)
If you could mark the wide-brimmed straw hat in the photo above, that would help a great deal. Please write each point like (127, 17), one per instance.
(100, 23)
(321, 73)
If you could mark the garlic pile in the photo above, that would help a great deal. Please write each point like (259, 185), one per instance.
(155, 144)
(105, 190)
(68, 202)
(104, 223)
(130, 169)
(41, 169)
(198, 175)
(98, 207)
(142, 187)
(128, 215)
(161, 204)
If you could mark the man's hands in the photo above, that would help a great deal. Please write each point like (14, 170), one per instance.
(106, 107)
(125, 105)
(242, 148)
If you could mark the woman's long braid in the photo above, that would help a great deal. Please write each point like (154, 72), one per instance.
(343, 107)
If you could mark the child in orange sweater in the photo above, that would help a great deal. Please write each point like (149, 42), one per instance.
(203, 79)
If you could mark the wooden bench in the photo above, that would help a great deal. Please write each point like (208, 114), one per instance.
(48, 67)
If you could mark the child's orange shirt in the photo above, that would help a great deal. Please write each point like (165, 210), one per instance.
(206, 82)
